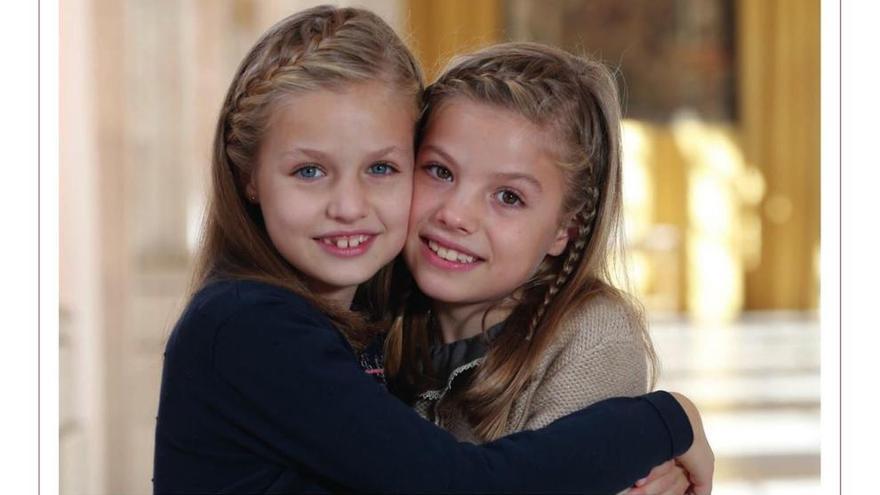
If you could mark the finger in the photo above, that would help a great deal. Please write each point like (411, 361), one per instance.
(662, 468)
(658, 471)
(679, 487)
(661, 484)
(701, 485)
(633, 490)
(702, 489)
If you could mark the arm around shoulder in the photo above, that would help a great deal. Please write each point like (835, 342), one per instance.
(292, 383)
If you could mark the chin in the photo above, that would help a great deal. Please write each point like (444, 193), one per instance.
(350, 281)
(341, 280)
(442, 291)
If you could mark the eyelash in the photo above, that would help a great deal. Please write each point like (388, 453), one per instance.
(391, 169)
(299, 172)
(434, 170)
(518, 201)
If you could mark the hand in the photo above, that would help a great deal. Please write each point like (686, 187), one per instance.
(698, 461)
(666, 479)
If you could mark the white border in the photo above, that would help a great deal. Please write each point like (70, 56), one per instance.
(859, 180)
(49, 245)
(860, 321)
(18, 264)
(830, 243)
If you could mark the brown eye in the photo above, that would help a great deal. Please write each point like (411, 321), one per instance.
(439, 172)
(509, 198)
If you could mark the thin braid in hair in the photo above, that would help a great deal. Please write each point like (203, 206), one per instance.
(585, 226)
(288, 57)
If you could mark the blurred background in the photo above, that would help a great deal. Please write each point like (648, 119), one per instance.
(721, 185)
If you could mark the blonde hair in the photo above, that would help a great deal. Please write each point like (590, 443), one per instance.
(320, 48)
(576, 99)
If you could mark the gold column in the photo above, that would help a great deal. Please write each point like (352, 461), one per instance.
(438, 30)
(778, 46)
(670, 209)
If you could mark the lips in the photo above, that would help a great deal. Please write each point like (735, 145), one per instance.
(448, 255)
(346, 244)
(345, 241)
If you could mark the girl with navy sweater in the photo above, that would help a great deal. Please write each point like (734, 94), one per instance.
(261, 388)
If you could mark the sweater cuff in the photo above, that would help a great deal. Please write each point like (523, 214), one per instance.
(677, 423)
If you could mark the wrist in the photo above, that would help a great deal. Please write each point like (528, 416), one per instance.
(693, 414)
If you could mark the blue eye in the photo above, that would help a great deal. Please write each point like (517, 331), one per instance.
(382, 168)
(509, 198)
(439, 172)
(309, 172)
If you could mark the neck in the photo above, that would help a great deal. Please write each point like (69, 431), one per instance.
(462, 321)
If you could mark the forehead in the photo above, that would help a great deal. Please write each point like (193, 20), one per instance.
(372, 107)
(488, 133)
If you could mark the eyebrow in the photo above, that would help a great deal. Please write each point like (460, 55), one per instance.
(436, 149)
(311, 153)
(320, 155)
(388, 150)
(506, 176)
(516, 176)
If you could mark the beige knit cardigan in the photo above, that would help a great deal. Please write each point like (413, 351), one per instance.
(598, 354)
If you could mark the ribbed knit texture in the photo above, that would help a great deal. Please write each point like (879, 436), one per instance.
(598, 354)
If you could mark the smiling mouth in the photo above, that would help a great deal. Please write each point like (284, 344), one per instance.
(346, 246)
(345, 241)
(450, 254)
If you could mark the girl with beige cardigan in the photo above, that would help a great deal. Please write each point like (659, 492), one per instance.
(513, 321)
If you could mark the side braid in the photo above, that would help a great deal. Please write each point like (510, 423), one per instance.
(529, 87)
(287, 56)
(585, 219)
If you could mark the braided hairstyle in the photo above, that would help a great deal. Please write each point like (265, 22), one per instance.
(319, 48)
(576, 99)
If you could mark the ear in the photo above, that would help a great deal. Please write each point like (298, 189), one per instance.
(250, 189)
(563, 234)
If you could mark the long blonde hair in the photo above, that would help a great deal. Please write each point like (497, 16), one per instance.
(576, 98)
(320, 48)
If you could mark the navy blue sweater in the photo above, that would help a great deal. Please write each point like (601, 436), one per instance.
(260, 394)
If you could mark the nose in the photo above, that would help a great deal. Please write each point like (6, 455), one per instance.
(348, 202)
(457, 214)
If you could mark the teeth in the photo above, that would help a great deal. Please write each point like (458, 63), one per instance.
(450, 254)
(345, 242)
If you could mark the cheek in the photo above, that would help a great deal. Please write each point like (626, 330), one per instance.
(394, 207)
(525, 239)
(281, 223)
(424, 201)
(291, 210)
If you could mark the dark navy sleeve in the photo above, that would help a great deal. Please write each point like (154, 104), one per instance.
(296, 384)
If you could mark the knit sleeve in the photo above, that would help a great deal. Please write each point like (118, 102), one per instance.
(604, 358)
(298, 388)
